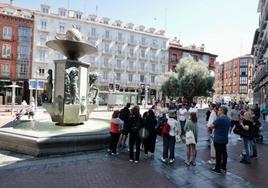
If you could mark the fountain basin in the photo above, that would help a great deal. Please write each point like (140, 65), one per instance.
(44, 138)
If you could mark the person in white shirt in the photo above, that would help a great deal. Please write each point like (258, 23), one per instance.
(212, 118)
(169, 140)
(182, 113)
(193, 109)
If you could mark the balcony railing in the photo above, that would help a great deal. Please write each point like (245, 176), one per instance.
(107, 52)
(144, 45)
(107, 66)
(6, 57)
(132, 42)
(143, 57)
(120, 40)
(5, 74)
(154, 46)
(131, 56)
(153, 58)
(107, 38)
(8, 38)
(90, 36)
(262, 73)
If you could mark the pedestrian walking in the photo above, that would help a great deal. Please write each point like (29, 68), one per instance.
(235, 117)
(221, 126)
(191, 130)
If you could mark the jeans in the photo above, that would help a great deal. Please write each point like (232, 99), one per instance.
(253, 147)
(169, 145)
(221, 156)
(182, 127)
(247, 145)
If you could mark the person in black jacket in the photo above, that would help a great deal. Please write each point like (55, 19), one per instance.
(150, 124)
(134, 124)
(124, 116)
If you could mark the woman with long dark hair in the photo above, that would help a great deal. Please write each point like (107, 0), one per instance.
(150, 124)
(135, 123)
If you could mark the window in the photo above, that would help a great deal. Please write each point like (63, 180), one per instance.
(22, 68)
(206, 58)
(105, 75)
(131, 51)
(130, 77)
(142, 53)
(154, 42)
(6, 51)
(142, 78)
(119, 49)
(243, 62)
(234, 74)
(7, 32)
(132, 38)
(106, 47)
(42, 55)
(163, 68)
(152, 79)
(105, 61)
(185, 54)
(5, 68)
(243, 71)
(120, 36)
(62, 28)
(43, 24)
(153, 67)
(143, 40)
(93, 32)
(118, 76)
(173, 57)
(164, 44)
(243, 89)
(41, 72)
(107, 34)
(142, 66)
(78, 27)
(42, 39)
(45, 10)
(131, 64)
(118, 64)
(62, 13)
(78, 16)
(243, 80)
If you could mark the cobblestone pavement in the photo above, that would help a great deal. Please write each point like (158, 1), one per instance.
(99, 169)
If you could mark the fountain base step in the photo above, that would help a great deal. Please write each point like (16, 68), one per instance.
(44, 138)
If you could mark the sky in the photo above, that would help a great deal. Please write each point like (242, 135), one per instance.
(226, 27)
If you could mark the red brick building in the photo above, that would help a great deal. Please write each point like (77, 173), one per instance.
(16, 43)
(177, 51)
(234, 78)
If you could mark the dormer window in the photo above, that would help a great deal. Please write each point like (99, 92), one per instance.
(105, 22)
(45, 10)
(62, 13)
(93, 19)
(78, 16)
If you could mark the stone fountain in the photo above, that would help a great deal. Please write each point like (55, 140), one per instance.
(70, 104)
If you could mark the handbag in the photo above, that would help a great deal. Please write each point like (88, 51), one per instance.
(189, 137)
(178, 138)
(242, 132)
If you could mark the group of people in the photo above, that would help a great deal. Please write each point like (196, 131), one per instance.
(172, 124)
(241, 120)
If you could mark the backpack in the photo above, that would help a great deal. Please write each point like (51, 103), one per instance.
(165, 129)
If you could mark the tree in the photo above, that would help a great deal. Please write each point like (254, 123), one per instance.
(191, 79)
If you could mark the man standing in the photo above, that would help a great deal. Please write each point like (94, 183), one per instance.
(124, 116)
(221, 126)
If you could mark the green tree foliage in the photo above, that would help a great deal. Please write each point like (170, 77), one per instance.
(191, 79)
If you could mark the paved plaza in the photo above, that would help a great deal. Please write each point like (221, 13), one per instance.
(98, 169)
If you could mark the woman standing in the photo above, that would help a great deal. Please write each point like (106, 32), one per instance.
(191, 125)
(150, 124)
(182, 118)
(116, 125)
(31, 109)
(135, 123)
(169, 138)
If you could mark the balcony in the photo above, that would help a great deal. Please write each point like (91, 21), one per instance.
(153, 58)
(107, 52)
(119, 68)
(6, 57)
(120, 54)
(143, 57)
(41, 44)
(107, 38)
(144, 45)
(164, 60)
(8, 38)
(92, 37)
(131, 69)
(132, 43)
(23, 75)
(132, 56)
(43, 29)
(260, 75)
(5, 74)
(143, 69)
(120, 40)
(106, 66)
(155, 46)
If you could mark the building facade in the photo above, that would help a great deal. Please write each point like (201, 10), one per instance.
(130, 59)
(16, 42)
(260, 52)
(234, 78)
(177, 51)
